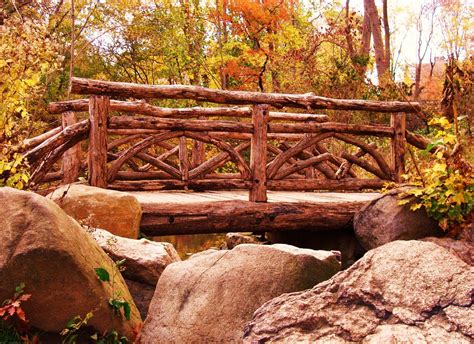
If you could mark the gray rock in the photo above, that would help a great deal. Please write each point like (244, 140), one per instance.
(142, 294)
(463, 249)
(209, 297)
(145, 260)
(234, 239)
(382, 221)
(402, 292)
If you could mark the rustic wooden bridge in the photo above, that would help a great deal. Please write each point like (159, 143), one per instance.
(182, 162)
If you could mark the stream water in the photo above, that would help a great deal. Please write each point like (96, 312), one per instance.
(186, 245)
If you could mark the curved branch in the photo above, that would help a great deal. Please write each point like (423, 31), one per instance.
(236, 157)
(379, 159)
(365, 165)
(57, 140)
(301, 165)
(115, 167)
(273, 167)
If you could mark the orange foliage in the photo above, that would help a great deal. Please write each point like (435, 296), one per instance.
(252, 16)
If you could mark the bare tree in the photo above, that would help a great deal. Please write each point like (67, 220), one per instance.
(381, 43)
(427, 12)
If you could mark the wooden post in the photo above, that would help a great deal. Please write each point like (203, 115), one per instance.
(183, 158)
(198, 153)
(98, 113)
(71, 164)
(309, 171)
(258, 154)
(398, 122)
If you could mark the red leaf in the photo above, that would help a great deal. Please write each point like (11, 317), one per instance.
(21, 314)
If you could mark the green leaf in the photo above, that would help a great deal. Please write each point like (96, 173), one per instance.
(126, 310)
(102, 274)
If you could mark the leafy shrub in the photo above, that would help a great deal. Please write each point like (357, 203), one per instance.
(27, 57)
(446, 188)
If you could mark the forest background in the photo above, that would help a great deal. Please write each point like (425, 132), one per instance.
(361, 49)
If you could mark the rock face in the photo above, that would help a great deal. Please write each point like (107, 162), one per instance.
(145, 261)
(209, 297)
(402, 292)
(463, 249)
(234, 239)
(44, 248)
(117, 212)
(383, 221)
(342, 240)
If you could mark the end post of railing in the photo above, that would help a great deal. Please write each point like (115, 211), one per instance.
(258, 154)
(71, 164)
(398, 123)
(99, 107)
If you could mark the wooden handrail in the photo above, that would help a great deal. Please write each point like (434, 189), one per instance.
(143, 108)
(278, 100)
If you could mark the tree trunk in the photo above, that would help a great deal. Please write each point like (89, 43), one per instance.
(382, 59)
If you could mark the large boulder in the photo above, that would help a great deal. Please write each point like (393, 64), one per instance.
(382, 221)
(402, 292)
(209, 297)
(117, 212)
(44, 248)
(144, 263)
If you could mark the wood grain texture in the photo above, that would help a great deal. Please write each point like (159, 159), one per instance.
(71, 163)
(305, 101)
(228, 216)
(97, 155)
(134, 122)
(258, 154)
(398, 146)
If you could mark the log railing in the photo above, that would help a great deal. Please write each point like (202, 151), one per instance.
(133, 145)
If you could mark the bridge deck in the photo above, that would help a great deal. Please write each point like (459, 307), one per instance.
(185, 212)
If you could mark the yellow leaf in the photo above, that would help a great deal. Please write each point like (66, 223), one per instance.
(458, 198)
(439, 167)
(415, 206)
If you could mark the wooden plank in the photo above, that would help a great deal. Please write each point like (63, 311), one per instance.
(348, 184)
(258, 154)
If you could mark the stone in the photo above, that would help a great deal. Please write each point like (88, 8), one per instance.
(402, 292)
(145, 260)
(209, 297)
(44, 248)
(234, 239)
(382, 221)
(117, 212)
(463, 249)
(342, 240)
(142, 294)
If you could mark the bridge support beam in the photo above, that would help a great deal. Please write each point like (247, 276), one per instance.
(241, 216)
(98, 113)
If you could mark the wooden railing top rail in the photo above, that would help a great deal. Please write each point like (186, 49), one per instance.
(143, 108)
(278, 100)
